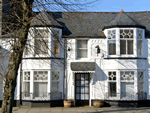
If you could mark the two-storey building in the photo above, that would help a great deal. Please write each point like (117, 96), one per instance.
(92, 55)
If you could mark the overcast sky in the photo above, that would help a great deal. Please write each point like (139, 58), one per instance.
(118, 5)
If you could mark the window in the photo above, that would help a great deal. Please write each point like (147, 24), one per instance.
(82, 49)
(40, 83)
(140, 37)
(56, 41)
(127, 84)
(112, 84)
(55, 85)
(112, 42)
(41, 41)
(26, 84)
(126, 42)
(140, 80)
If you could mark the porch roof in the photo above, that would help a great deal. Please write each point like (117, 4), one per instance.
(83, 66)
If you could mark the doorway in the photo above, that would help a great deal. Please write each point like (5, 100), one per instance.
(82, 89)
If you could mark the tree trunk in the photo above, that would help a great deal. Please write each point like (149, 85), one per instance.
(16, 56)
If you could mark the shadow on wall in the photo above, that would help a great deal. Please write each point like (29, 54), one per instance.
(99, 79)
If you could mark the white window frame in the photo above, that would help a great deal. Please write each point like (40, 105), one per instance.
(126, 39)
(142, 42)
(111, 40)
(52, 40)
(115, 81)
(82, 48)
(48, 38)
(26, 81)
(55, 81)
(135, 46)
(45, 81)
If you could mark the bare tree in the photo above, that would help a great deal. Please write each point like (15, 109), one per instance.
(16, 24)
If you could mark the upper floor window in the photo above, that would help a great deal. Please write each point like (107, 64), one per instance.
(126, 42)
(82, 48)
(41, 41)
(56, 41)
(140, 37)
(112, 42)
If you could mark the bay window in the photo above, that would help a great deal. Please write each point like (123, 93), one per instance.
(126, 42)
(41, 41)
(82, 48)
(112, 84)
(112, 42)
(40, 83)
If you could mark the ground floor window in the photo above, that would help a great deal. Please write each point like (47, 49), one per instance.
(112, 83)
(124, 81)
(127, 84)
(55, 85)
(26, 84)
(40, 83)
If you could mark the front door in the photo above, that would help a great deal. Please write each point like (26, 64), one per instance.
(82, 89)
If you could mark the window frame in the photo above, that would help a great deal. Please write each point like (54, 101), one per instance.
(52, 40)
(112, 81)
(143, 34)
(47, 38)
(82, 49)
(40, 81)
(111, 39)
(26, 81)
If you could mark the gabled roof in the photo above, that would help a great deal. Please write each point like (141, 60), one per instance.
(44, 19)
(123, 20)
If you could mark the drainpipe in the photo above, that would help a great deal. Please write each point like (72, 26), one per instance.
(64, 84)
(20, 99)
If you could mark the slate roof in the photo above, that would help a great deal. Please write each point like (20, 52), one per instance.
(123, 20)
(90, 24)
(83, 66)
(44, 19)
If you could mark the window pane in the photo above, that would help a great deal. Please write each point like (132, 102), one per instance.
(127, 90)
(26, 89)
(56, 47)
(86, 96)
(40, 89)
(130, 46)
(84, 43)
(79, 43)
(112, 89)
(139, 47)
(81, 48)
(112, 47)
(55, 86)
(122, 46)
(81, 53)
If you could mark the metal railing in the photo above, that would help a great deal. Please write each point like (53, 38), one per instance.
(42, 96)
(126, 96)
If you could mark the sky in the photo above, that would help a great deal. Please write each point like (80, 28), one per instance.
(118, 5)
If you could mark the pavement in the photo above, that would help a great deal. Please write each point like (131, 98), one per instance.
(80, 110)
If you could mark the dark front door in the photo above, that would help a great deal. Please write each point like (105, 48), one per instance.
(82, 89)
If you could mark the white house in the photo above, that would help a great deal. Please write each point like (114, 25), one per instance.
(106, 58)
